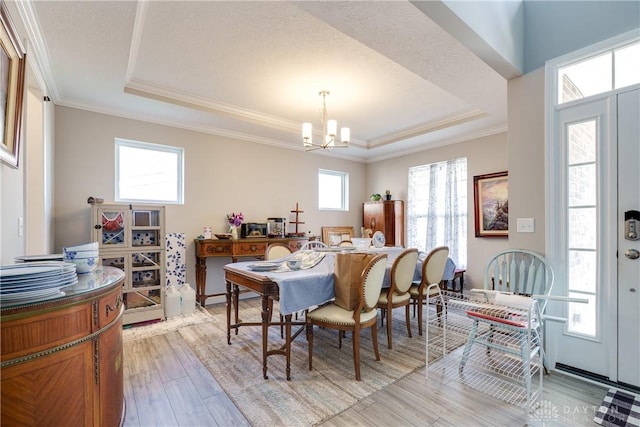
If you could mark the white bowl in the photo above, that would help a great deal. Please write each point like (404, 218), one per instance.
(67, 254)
(294, 263)
(85, 247)
(361, 242)
(84, 265)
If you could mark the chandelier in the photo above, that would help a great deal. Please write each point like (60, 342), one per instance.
(329, 131)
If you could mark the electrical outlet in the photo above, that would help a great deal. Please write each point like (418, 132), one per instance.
(525, 225)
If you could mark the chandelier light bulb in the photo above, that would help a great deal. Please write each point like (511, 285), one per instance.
(332, 127)
(307, 134)
(345, 135)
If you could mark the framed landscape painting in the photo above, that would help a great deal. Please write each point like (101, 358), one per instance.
(491, 200)
(12, 69)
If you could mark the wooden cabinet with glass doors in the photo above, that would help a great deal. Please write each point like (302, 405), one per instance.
(132, 238)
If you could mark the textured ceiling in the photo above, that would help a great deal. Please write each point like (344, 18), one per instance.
(253, 70)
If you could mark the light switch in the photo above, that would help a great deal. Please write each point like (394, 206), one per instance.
(525, 225)
(20, 226)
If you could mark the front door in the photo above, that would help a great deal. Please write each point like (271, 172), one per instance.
(603, 336)
(629, 245)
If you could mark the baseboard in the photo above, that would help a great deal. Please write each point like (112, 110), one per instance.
(595, 378)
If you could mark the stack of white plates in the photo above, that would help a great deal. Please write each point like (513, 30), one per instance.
(36, 258)
(29, 282)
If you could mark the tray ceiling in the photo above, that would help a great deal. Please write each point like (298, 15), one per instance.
(253, 70)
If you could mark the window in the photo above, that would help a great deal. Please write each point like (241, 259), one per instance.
(601, 73)
(333, 190)
(582, 224)
(148, 173)
(437, 208)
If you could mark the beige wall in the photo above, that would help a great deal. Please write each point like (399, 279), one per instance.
(225, 175)
(222, 175)
(520, 151)
(484, 155)
(526, 159)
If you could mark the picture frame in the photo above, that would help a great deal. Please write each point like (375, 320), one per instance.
(491, 201)
(12, 75)
(332, 236)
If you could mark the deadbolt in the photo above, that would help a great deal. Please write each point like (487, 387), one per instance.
(632, 254)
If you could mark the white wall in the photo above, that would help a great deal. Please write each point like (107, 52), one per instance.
(222, 175)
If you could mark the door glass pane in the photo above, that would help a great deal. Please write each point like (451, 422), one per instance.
(582, 185)
(582, 142)
(582, 270)
(582, 228)
(627, 65)
(582, 317)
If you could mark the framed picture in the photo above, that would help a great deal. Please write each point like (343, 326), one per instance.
(332, 236)
(491, 200)
(12, 69)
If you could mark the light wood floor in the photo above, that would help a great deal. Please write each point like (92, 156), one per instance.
(166, 385)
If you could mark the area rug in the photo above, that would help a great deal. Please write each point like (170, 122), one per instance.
(310, 396)
(619, 408)
(150, 329)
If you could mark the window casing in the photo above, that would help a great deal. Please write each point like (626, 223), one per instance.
(148, 173)
(333, 190)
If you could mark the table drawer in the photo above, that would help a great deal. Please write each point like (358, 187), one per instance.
(214, 248)
(109, 308)
(250, 249)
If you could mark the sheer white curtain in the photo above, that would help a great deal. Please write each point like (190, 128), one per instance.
(437, 208)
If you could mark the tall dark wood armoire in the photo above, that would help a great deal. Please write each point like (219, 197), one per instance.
(386, 216)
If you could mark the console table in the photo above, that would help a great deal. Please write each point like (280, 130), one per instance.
(457, 282)
(62, 356)
(234, 249)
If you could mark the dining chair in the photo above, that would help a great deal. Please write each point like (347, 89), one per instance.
(364, 315)
(277, 251)
(274, 251)
(517, 280)
(432, 270)
(313, 244)
(397, 295)
(346, 244)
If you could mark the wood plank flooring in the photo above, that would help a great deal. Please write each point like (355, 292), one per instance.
(166, 385)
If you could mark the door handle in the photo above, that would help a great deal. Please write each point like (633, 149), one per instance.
(632, 254)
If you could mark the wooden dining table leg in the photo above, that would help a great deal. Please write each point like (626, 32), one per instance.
(266, 318)
(236, 305)
(229, 312)
(287, 343)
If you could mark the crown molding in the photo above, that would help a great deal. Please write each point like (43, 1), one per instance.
(440, 143)
(40, 61)
(149, 90)
(428, 128)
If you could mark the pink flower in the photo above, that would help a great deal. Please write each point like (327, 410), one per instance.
(235, 219)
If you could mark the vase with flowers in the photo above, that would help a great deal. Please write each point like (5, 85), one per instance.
(235, 220)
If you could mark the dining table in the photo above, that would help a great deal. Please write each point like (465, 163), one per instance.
(295, 290)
